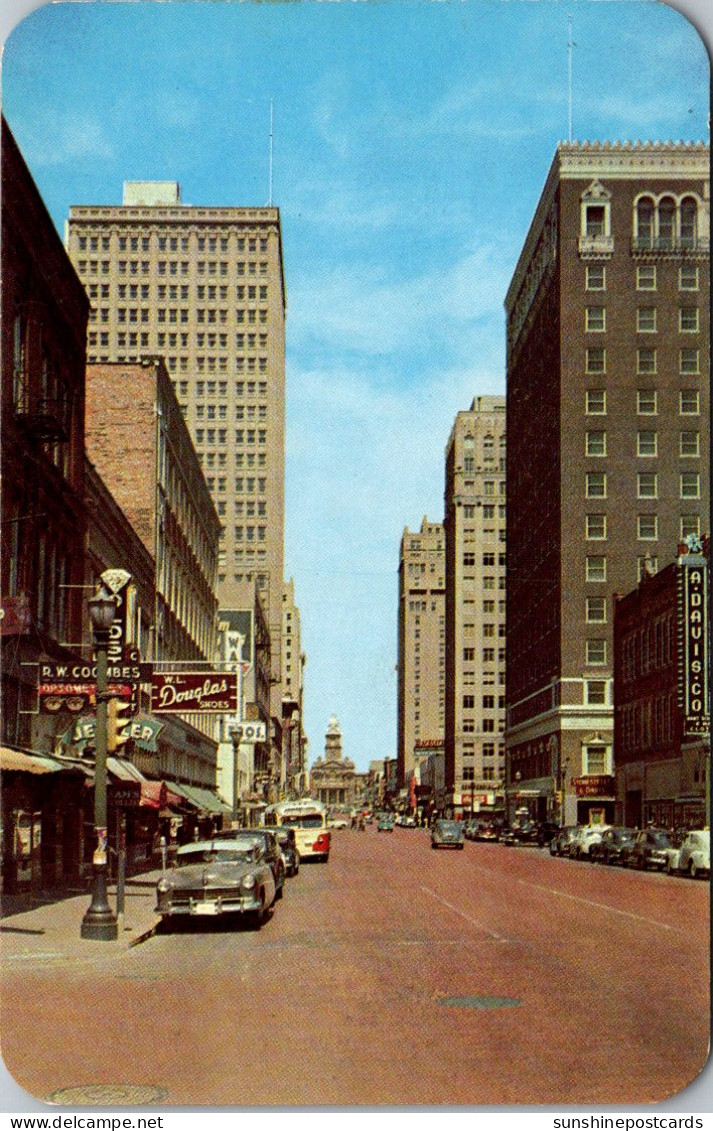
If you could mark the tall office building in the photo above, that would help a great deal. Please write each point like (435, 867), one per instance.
(203, 288)
(608, 440)
(421, 642)
(475, 525)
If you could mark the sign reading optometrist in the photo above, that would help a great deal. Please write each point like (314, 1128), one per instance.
(206, 693)
(693, 638)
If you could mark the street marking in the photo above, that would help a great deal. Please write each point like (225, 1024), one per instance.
(468, 918)
(601, 906)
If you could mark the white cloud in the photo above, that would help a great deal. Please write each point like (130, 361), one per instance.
(55, 138)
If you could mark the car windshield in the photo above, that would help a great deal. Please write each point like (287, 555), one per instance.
(244, 855)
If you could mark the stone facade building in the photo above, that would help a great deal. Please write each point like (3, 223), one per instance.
(333, 778)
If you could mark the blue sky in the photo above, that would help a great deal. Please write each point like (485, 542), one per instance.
(412, 140)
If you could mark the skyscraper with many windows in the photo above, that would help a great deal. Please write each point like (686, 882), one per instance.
(608, 441)
(475, 527)
(203, 288)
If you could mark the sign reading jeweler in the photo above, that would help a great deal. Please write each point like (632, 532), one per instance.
(206, 693)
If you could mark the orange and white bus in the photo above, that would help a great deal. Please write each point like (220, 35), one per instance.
(309, 820)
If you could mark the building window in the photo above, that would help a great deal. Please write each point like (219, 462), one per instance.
(646, 360)
(647, 527)
(688, 320)
(596, 319)
(468, 702)
(688, 278)
(596, 359)
(596, 760)
(596, 443)
(690, 361)
(647, 402)
(596, 485)
(596, 527)
(596, 610)
(690, 524)
(690, 485)
(689, 401)
(646, 278)
(595, 219)
(596, 567)
(647, 485)
(595, 692)
(596, 277)
(596, 652)
(646, 443)
(596, 402)
(690, 445)
(646, 320)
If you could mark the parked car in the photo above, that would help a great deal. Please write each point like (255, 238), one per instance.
(385, 825)
(217, 877)
(559, 845)
(583, 840)
(488, 830)
(447, 834)
(546, 830)
(471, 829)
(614, 840)
(519, 832)
(272, 850)
(694, 858)
(288, 845)
(650, 849)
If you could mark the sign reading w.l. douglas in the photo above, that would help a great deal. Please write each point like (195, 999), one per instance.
(208, 693)
(693, 644)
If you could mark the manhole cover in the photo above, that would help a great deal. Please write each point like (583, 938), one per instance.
(109, 1095)
(482, 1001)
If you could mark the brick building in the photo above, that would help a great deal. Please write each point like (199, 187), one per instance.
(662, 749)
(608, 441)
(44, 319)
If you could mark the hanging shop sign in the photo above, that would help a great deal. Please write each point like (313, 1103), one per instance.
(205, 693)
(75, 698)
(693, 687)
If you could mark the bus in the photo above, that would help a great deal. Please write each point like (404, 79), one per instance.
(309, 820)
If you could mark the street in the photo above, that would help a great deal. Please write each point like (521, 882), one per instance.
(392, 975)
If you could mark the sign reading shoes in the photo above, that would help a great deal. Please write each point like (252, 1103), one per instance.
(203, 692)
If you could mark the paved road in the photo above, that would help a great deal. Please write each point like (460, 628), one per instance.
(392, 975)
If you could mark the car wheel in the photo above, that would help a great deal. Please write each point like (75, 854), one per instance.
(461, 846)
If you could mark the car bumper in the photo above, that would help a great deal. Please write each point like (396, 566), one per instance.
(209, 905)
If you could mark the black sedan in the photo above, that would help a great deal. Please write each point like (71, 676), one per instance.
(615, 842)
(651, 849)
(286, 840)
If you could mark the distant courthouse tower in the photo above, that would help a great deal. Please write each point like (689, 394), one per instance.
(608, 441)
(203, 288)
(421, 643)
(333, 781)
(475, 525)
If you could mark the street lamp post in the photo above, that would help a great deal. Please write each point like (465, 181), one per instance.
(99, 920)
(236, 733)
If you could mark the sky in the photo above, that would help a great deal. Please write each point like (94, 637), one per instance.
(412, 139)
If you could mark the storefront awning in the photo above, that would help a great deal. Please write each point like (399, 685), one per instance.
(204, 799)
(21, 762)
(124, 771)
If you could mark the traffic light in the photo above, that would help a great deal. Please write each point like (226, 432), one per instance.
(115, 734)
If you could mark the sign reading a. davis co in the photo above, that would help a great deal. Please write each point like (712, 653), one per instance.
(207, 693)
(693, 644)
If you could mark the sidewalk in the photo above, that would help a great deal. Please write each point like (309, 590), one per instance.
(48, 925)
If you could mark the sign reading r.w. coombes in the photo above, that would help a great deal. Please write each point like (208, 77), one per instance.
(203, 692)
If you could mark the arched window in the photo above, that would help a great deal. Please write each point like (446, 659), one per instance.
(645, 221)
(667, 222)
(689, 218)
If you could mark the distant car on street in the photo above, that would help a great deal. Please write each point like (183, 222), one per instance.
(585, 837)
(650, 849)
(614, 841)
(215, 878)
(561, 841)
(694, 858)
(447, 834)
(385, 825)
(519, 832)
